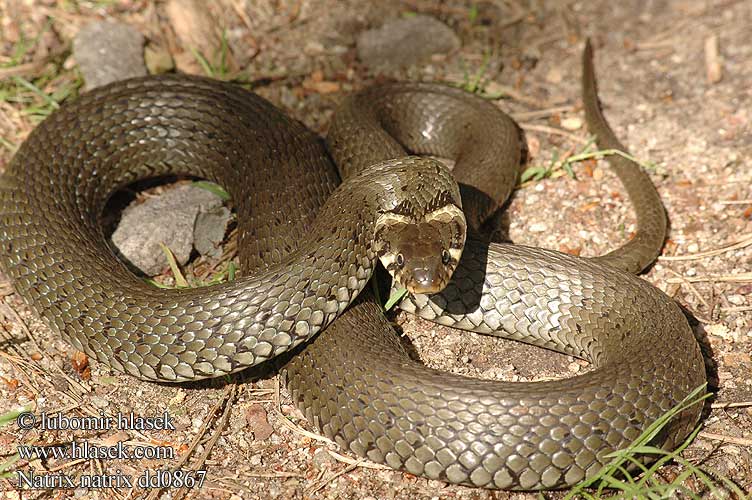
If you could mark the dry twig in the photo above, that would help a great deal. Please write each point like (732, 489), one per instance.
(743, 242)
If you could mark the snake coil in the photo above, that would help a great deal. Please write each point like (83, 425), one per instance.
(354, 381)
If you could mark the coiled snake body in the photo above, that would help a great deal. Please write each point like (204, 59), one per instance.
(354, 381)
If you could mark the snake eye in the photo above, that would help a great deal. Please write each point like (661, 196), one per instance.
(445, 257)
(400, 260)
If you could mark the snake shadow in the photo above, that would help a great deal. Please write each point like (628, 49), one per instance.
(708, 355)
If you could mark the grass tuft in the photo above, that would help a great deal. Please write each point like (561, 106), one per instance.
(619, 474)
(560, 166)
(181, 281)
(476, 83)
(6, 467)
(219, 67)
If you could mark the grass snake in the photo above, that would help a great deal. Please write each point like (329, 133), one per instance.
(308, 247)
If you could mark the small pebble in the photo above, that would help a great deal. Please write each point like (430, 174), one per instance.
(538, 227)
(313, 47)
(736, 299)
(554, 76)
(178, 398)
(99, 402)
(322, 459)
(499, 372)
(719, 330)
(196, 423)
(693, 248)
(726, 377)
(571, 123)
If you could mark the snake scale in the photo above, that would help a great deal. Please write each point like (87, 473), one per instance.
(307, 250)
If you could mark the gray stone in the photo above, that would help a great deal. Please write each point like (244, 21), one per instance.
(170, 219)
(405, 41)
(209, 231)
(107, 52)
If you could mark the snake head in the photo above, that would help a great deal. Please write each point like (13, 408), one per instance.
(421, 252)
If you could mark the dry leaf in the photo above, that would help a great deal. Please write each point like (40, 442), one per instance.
(588, 166)
(11, 383)
(570, 250)
(256, 417)
(80, 363)
(320, 86)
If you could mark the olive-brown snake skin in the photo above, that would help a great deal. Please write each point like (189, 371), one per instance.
(354, 380)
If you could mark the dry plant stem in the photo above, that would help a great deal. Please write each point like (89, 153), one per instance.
(740, 404)
(555, 131)
(285, 422)
(322, 483)
(79, 389)
(724, 278)
(542, 113)
(229, 396)
(736, 309)
(229, 393)
(742, 242)
(681, 279)
(726, 439)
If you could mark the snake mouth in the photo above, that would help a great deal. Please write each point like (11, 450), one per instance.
(422, 268)
(428, 274)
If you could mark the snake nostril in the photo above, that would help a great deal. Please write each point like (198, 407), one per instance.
(422, 276)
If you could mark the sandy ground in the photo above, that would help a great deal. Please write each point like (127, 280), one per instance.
(656, 71)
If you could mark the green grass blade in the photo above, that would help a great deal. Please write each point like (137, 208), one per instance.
(601, 153)
(36, 90)
(605, 477)
(205, 66)
(213, 188)
(396, 296)
(157, 284)
(180, 280)
(5, 471)
(11, 416)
